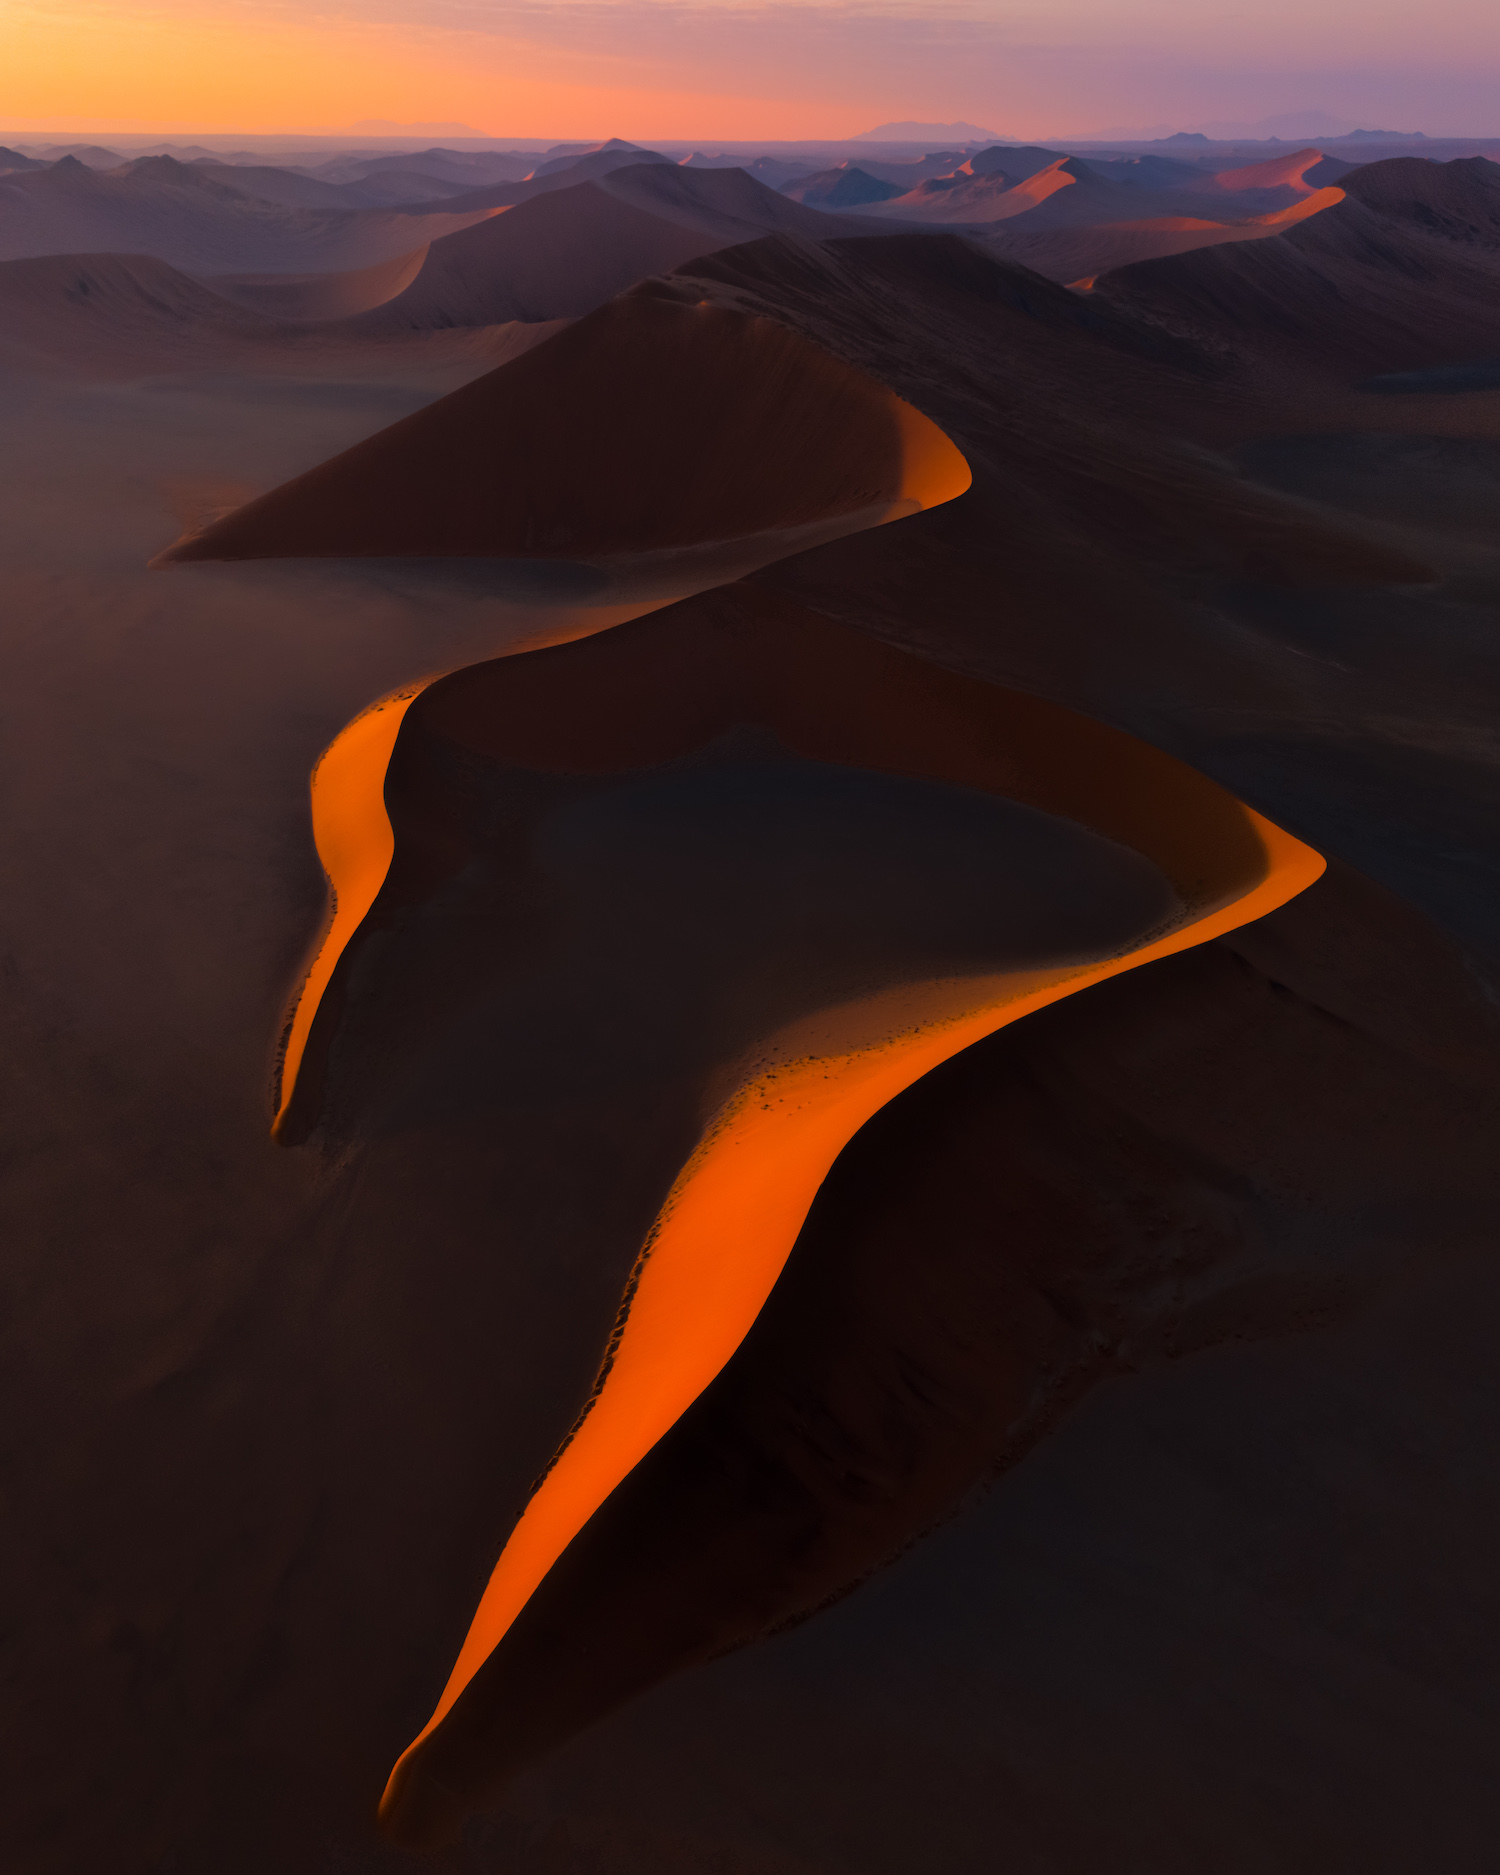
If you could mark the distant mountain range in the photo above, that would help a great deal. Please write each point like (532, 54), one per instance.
(915, 133)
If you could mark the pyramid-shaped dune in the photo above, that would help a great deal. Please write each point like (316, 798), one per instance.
(650, 425)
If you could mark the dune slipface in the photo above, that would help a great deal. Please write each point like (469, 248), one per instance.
(651, 425)
(636, 782)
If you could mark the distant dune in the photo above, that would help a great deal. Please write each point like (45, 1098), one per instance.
(176, 213)
(561, 253)
(117, 316)
(639, 391)
(985, 198)
(1303, 171)
(1403, 272)
(1072, 254)
(320, 296)
(845, 186)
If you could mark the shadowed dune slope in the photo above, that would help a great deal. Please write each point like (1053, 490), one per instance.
(319, 296)
(98, 310)
(116, 316)
(1278, 172)
(173, 211)
(1403, 272)
(1087, 503)
(608, 439)
(844, 186)
(793, 1036)
(565, 172)
(724, 202)
(1050, 1210)
(557, 256)
(562, 252)
(988, 197)
(1068, 253)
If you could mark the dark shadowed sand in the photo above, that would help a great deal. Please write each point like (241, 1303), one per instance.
(1203, 1255)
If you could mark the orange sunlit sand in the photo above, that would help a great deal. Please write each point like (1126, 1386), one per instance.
(729, 1223)
(830, 447)
(723, 1238)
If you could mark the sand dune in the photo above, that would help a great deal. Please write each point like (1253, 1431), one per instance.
(382, 188)
(100, 311)
(114, 316)
(172, 211)
(983, 198)
(565, 172)
(285, 186)
(724, 204)
(844, 186)
(288, 1406)
(560, 253)
(1066, 231)
(1401, 274)
(317, 296)
(556, 257)
(466, 168)
(815, 1049)
(640, 391)
(1069, 253)
(1304, 171)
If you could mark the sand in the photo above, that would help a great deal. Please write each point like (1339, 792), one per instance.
(604, 441)
(644, 698)
(1215, 1234)
(171, 211)
(1399, 274)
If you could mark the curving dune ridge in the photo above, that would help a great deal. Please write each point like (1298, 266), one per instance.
(547, 455)
(641, 699)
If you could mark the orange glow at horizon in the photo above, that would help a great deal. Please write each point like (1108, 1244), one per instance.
(720, 69)
(235, 73)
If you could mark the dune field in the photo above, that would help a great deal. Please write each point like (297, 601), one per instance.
(754, 958)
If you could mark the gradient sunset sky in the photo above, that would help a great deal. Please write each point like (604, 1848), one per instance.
(715, 69)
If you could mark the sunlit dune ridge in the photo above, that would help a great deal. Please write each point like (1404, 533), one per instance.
(606, 440)
(659, 425)
(728, 1225)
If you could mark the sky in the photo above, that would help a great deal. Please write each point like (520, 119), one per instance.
(709, 69)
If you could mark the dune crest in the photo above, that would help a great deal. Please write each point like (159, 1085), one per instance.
(645, 391)
(315, 296)
(649, 694)
(609, 441)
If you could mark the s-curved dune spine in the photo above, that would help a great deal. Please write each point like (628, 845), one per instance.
(729, 1224)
